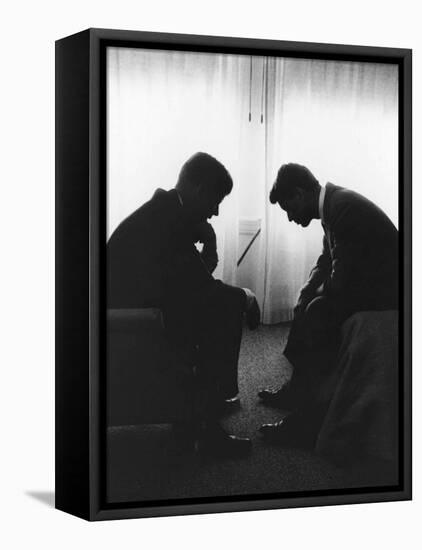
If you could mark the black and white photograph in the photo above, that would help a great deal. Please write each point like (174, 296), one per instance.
(210, 275)
(253, 276)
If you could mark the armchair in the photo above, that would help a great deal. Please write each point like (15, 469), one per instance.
(146, 382)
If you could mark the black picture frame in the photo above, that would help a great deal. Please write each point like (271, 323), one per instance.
(80, 268)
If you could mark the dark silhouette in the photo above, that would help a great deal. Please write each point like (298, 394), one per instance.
(357, 271)
(152, 261)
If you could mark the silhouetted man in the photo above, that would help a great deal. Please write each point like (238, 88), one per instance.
(357, 271)
(153, 262)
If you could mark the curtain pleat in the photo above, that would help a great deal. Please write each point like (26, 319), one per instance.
(340, 119)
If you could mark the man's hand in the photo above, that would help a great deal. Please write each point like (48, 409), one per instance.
(305, 297)
(299, 309)
(205, 234)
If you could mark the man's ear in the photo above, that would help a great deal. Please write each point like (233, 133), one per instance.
(204, 192)
(200, 190)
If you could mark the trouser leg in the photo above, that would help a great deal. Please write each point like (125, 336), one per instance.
(219, 339)
(214, 328)
(312, 349)
(313, 344)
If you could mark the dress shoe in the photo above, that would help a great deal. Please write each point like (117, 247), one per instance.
(235, 400)
(215, 442)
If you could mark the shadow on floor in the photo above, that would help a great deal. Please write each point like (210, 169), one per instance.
(45, 497)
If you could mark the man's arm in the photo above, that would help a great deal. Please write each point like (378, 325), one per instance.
(320, 271)
(351, 252)
(190, 274)
(317, 276)
(205, 234)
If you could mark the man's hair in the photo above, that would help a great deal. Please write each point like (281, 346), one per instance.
(202, 168)
(289, 177)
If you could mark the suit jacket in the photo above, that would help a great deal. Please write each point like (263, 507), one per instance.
(359, 264)
(152, 260)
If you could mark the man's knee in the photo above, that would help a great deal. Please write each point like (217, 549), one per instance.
(230, 301)
(318, 318)
(318, 309)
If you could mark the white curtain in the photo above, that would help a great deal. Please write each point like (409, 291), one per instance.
(163, 106)
(341, 121)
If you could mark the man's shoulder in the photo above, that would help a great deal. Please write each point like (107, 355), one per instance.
(153, 213)
(348, 208)
(160, 200)
(341, 198)
(338, 194)
(161, 203)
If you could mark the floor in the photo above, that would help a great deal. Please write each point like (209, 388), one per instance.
(147, 463)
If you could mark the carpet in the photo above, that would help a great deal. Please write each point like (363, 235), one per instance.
(147, 463)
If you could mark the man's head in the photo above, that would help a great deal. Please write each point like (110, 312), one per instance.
(296, 190)
(203, 183)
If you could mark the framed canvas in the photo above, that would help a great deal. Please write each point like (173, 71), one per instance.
(209, 356)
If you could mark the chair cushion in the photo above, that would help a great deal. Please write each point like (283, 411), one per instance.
(145, 381)
(362, 417)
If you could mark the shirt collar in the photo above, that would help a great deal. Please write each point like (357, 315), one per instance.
(321, 203)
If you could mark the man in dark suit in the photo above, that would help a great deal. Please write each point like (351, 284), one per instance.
(357, 271)
(152, 261)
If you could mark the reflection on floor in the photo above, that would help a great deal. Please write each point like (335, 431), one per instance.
(149, 463)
